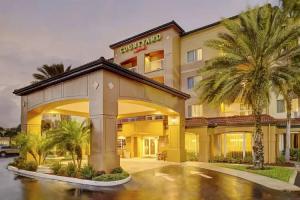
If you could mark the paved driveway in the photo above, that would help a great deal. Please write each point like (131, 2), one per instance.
(168, 182)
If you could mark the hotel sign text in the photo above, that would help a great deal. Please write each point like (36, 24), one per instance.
(140, 43)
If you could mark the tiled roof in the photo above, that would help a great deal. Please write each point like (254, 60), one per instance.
(282, 122)
(239, 120)
(228, 121)
(195, 122)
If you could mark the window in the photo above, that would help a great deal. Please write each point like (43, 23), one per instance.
(195, 110)
(121, 142)
(130, 64)
(154, 61)
(280, 106)
(194, 55)
(192, 81)
(234, 145)
(245, 109)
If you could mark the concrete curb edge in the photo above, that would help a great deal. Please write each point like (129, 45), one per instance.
(78, 181)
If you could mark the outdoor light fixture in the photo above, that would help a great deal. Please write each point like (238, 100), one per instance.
(173, 120)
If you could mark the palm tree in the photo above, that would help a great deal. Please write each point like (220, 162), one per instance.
(292, 9)
(72, 136)
(25, 143)
(35, 145)
(48, 71)
(251, 64)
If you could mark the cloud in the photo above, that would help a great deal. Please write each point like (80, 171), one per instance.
(9, 107)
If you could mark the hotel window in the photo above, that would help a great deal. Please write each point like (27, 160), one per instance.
(235, 145)
(280, 106)
(192, 81)
(130, 64)
(194, 55)
(121, 142)
(154, 61)
(195, 110)
(245, 109)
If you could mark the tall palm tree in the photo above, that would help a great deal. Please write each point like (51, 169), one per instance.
(251, 64)
(292, 9)
(48, 71)
(72, 136)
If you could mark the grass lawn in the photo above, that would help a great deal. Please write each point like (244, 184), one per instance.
(280, 173)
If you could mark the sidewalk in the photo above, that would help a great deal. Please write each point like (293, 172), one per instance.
(134, 165)
(262, 180)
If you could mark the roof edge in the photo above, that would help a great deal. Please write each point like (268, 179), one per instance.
(101, 63)
(148, 32)
(207, 26)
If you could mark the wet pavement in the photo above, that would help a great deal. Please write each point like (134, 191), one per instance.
(169, 183)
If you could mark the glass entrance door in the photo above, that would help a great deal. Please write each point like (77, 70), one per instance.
(150, 147)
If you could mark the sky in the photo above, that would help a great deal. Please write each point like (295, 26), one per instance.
(74, 32)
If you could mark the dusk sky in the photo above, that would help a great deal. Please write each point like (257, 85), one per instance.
(73, 32)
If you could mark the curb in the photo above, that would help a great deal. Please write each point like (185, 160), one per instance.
(255, 178)
(78, 181)
(293, 177)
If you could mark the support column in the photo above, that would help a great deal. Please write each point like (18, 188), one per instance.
(104, 155)
(103, 106)
(176, 147)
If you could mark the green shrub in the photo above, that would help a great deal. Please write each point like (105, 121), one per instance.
(62, 171)
(18, 162)
(248, 159)
(56, 167)
(298, 153)
(218, 159)
(280, 159)
(31, 166)
(233, 157)
(71, 170)
(117, 170)
(87, 172)
(294, 154)
(192, 156)
(99, 173)
(111, 177)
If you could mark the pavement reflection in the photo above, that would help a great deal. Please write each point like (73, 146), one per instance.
(172, 182)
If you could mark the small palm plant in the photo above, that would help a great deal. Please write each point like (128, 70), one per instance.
(26, 143)
(72, 136)
(255, 50)
(35, 145)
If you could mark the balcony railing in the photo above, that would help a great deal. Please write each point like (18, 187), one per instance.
(134, 69)
(154, 65)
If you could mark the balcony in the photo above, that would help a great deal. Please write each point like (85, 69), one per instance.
(154, 61)
(154, 65)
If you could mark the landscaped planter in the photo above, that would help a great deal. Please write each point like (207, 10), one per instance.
(38, 175)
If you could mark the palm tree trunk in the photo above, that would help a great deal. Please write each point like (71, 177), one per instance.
(73, 158)
(40, 159)
(258, 148)
(288, 128)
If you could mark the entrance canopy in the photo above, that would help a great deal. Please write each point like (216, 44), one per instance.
(103, 91)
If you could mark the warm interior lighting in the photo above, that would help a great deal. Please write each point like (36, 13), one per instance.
(173, 120)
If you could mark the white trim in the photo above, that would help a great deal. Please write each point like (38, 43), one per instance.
(77, 181)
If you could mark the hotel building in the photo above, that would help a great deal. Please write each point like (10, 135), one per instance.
(142, 103)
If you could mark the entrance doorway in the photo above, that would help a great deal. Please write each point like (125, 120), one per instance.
(150, 145)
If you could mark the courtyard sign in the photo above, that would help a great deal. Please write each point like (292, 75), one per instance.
(141, 43)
